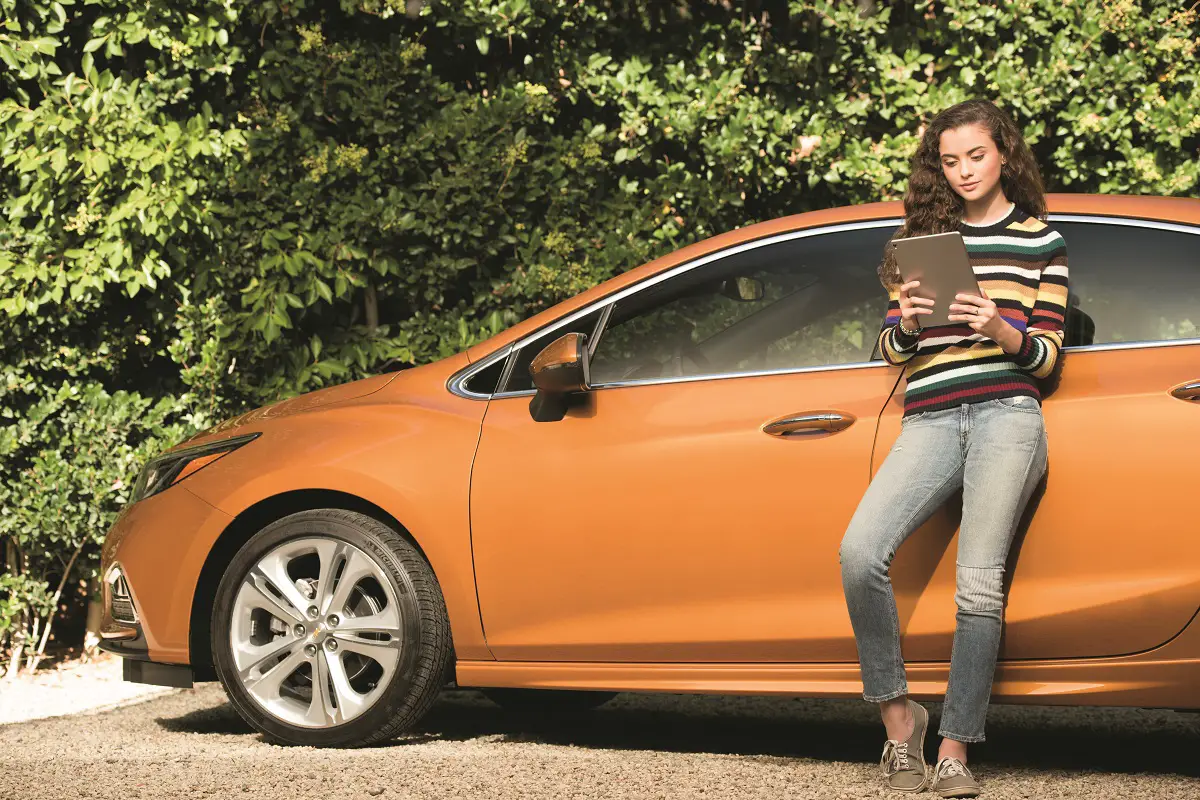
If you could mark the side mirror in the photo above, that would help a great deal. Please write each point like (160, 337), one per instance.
(742, 289)
(560, 370)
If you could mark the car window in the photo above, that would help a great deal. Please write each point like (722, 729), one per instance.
(804, 302)
(1130, 284)
(519, 379)
(484, 381)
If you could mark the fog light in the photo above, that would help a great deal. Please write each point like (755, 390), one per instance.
(120, 601)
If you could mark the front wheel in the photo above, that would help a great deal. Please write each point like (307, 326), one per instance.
(329, 630)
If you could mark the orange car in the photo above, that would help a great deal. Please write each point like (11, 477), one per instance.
(644, 488)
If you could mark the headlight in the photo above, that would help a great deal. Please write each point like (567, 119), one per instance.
(169, 469)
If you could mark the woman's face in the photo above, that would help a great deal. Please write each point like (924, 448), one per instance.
(970, 161)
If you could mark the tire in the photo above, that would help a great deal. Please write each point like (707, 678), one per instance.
(377, 585)
(547, 701)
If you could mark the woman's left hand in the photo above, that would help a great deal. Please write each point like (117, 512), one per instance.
(981, 314)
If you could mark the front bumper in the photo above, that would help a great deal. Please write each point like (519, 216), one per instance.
(155, 674)
(136, 666)
(157, 548)
(121, 634)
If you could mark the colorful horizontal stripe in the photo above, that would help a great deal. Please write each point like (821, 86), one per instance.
(1021, 263)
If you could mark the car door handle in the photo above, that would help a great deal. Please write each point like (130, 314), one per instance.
(812, 422)
(1188, 391)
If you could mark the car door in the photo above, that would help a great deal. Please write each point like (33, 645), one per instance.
(1108, 561)
(663, 519)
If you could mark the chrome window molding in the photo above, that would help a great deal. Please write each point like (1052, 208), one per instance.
(598, 331)
(716, 376)
(1130, 345)
(1128, 222)
(460, 378)
(457, 383)
(506, 372)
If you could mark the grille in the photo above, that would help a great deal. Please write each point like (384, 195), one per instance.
(122, 610)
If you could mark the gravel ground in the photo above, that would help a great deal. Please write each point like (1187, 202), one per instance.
(192, 745)
(71, 688)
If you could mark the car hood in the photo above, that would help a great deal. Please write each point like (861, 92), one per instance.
(297, 405)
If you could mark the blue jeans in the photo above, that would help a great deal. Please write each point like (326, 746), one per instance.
(996, 451)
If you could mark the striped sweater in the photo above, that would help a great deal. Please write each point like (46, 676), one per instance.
(1021, 263)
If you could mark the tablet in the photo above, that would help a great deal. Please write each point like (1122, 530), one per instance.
(939, 261)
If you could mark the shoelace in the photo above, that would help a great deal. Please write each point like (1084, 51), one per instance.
(949, 767)
(895, 757)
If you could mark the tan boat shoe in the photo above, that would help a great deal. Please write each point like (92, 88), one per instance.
(903, 763)
(951, 778)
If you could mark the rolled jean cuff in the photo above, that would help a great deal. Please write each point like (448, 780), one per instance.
(883, 698)
(959, 737)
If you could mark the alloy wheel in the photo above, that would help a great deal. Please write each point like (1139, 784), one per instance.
(315, 632)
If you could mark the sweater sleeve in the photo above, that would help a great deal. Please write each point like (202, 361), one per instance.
(1043, 337)
(895, 346)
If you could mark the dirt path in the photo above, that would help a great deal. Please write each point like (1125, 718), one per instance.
(192, 745)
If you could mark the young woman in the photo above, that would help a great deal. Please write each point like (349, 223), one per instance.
(972, 419)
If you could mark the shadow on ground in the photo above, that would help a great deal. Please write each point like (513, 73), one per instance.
(1028, 737)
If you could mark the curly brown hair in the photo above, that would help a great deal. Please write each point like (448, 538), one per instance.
(932, 206)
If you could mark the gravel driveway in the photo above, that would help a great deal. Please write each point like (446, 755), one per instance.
(191, 744)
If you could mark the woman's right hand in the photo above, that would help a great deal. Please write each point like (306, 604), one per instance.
(911, 308)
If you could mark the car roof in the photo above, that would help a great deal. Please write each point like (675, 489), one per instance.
(1185, 210)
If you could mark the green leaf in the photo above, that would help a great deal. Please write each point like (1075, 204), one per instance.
(323, 290)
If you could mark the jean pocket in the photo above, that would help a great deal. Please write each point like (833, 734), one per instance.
(910, 418)
(1021, 402)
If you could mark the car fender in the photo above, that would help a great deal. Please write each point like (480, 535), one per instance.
(405, 450)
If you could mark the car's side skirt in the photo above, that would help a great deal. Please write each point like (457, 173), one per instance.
(1124, 681)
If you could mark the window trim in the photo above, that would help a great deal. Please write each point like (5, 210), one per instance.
(601, 320)
(455, 384)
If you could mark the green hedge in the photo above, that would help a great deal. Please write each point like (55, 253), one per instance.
(210, 205)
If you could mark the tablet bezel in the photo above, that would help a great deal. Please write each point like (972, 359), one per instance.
(940, 262)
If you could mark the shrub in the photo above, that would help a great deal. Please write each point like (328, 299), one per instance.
(211, 205)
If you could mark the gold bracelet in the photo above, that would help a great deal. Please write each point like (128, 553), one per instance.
(906, 331)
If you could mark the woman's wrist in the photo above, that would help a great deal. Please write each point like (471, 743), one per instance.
(1011, 340)
(910, 332)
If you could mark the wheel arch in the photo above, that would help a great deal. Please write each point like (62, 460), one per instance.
(239, 531)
